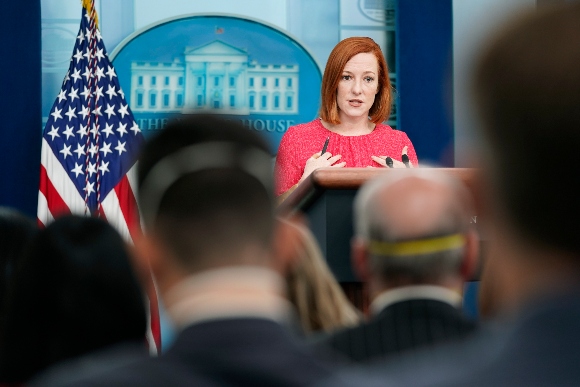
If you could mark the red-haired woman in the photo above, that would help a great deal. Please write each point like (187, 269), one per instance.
(356, 99)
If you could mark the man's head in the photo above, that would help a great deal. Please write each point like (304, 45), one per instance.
(527, 91)
(413, 227)
(205, 191)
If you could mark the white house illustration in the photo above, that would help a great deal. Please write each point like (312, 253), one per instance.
(216, 75)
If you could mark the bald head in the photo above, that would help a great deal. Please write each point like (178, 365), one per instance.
(419, 205)
(412, 205)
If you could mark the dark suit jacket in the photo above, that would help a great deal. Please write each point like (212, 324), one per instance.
(228, 352)
(400, 327)
(540, 348)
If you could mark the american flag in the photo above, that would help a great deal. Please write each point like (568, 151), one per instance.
(90, 143)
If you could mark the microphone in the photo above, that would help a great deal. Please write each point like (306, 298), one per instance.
(389, 162)
(406, 160)
(325, 146)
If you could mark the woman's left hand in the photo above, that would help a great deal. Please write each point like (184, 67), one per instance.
(382, 160)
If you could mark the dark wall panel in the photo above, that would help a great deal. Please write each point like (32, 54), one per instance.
(20, 99)
(424, 72)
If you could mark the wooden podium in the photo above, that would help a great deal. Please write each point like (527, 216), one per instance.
(326, 198)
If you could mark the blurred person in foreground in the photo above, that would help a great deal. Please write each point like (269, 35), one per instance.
(16, 231)
(414, 247)
(319, 300)
(205, 192)
(527, 89)
(74, 295)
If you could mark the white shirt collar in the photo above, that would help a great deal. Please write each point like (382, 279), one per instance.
(429, 292)
(231, 292)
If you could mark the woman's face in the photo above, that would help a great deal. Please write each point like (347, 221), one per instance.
(358, 86)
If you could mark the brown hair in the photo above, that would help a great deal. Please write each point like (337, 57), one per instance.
(338, 58)
(197, 213)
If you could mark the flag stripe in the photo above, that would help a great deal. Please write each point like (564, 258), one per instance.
(132, 176)
(66, 190)
(154, 320)
(128, 205)
(110, 208)
(44, 214)
(57, 206)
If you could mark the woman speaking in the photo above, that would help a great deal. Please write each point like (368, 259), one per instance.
(356, 99)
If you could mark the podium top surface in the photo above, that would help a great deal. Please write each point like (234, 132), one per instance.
(323, 179)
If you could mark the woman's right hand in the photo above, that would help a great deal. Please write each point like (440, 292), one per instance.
(320, 161)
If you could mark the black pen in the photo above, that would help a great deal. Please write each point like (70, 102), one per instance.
(325, 146)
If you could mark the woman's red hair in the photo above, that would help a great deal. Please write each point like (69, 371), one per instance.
(338, 58)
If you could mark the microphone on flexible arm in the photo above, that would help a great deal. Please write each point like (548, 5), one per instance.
(405, 159)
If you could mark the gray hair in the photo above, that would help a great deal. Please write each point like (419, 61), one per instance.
(373, 224)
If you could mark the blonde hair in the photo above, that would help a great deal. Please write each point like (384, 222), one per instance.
(318, 298)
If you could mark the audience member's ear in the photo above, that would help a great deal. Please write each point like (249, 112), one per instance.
(470, 261)
(153, 254)
(140, 267)
(287, 241)
(148, 253)
(360, 258)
